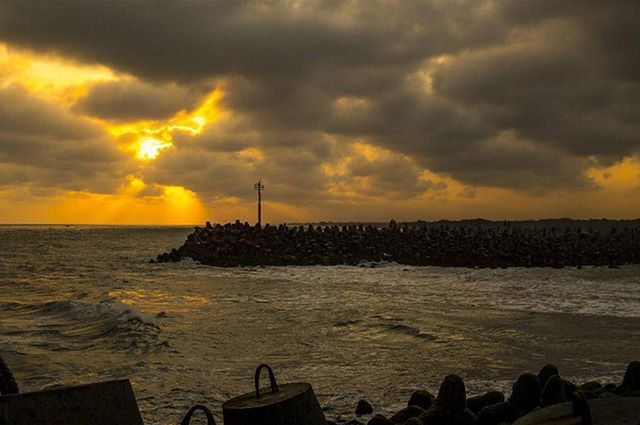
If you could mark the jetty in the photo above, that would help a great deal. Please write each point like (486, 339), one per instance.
(476, 243)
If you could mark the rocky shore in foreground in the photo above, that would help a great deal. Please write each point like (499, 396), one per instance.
(462, 244)
(530, 393)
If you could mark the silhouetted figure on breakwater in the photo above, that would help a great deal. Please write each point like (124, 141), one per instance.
(504, 245)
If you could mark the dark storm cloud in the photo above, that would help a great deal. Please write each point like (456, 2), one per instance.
(196, 38)
(134, 100)
(52, 147)
(508, 93)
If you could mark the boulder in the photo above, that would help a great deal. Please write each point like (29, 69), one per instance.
(590, 386)
(496, 414)
(608, 394)
(379, 420)
(406, 414)
(553, 392)
(421, 398)
(436, 416)
(525, 395)
(547, 372)
(452, 396)
(477, 403)
(631, 379)
(364, 408)
(569, 388)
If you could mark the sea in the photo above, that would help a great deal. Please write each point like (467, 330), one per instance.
(81, 304)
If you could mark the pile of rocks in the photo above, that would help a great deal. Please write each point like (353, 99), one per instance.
(529, 392)
(240, 244)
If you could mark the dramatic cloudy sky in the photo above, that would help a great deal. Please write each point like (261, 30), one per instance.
(168, 111)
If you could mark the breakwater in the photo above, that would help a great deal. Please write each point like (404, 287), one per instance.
(530, 393)
(455, 244)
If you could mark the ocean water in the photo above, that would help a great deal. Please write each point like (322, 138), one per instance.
(82, 304)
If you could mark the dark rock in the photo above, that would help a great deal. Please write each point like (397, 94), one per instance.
(466, 417)
(364, 408)
(635, 393)
(631, 378)
(590, 386)
(496, 414)
(525, 395)
(421, 398)
(436, 416)
(406, 413)
(452, 396)
(459, 244)
(590, 395)
(608, 394)
(609, 387)
(477, 403)
(553, 392)
(547, 372)
(569, 389)
(413, 421)
(379, 420)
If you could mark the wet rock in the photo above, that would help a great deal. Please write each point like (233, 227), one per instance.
(407, 413)
(525, 395)
(477, 403)
(379, 420)
(496, 414)
(590, 386)
(546, 372)
(631, 379)
(452, 396)
(553, 392)
(421, 398)
(364, 408)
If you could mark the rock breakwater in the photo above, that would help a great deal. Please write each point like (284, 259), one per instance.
(462, 245)
(530, 393)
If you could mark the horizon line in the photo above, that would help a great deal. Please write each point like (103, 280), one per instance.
(326, 221)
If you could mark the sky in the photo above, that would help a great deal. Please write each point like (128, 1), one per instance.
(168, 112)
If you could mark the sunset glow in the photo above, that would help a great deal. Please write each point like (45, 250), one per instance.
(397, 132)
(149, 148)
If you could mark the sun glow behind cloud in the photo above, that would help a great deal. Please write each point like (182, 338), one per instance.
(63, 82)
(149, 148)
(147, 139)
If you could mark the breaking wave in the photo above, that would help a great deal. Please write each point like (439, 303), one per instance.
(73, 325)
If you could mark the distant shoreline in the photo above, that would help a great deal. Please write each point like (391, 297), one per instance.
(571, 222)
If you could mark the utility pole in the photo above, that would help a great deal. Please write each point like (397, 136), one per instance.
(259, 187)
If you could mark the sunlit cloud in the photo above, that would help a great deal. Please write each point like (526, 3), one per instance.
(50, 76)
(147, 139)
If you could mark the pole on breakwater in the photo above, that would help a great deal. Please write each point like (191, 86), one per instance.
(259, 187)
